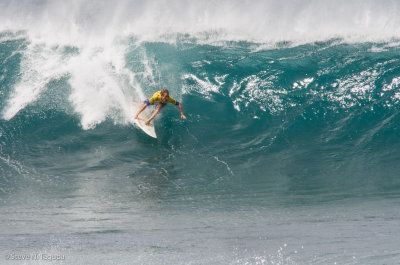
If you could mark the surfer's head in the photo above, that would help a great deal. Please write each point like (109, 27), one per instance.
(164, 94)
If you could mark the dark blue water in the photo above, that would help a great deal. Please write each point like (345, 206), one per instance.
(289, 154)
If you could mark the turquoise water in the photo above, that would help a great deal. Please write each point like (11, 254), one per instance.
(289, 154)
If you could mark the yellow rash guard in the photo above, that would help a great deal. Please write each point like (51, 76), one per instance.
(157, 98)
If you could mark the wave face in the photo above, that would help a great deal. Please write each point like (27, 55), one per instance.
(319, 117)
(290, 104)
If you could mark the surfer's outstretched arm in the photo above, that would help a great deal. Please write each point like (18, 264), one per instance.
(154, 113)
(142, 107)
(181, 110)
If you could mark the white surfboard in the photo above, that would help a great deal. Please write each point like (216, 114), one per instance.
(143, 117)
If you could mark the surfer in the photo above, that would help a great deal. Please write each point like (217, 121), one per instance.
(162, 97)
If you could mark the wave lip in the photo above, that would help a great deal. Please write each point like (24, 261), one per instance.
(254, 21)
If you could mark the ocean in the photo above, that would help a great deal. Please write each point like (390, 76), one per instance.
(289, 153)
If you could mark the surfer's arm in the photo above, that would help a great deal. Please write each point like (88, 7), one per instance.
(154, 114)
(181, 110)
(173, 101)
(142, 107)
